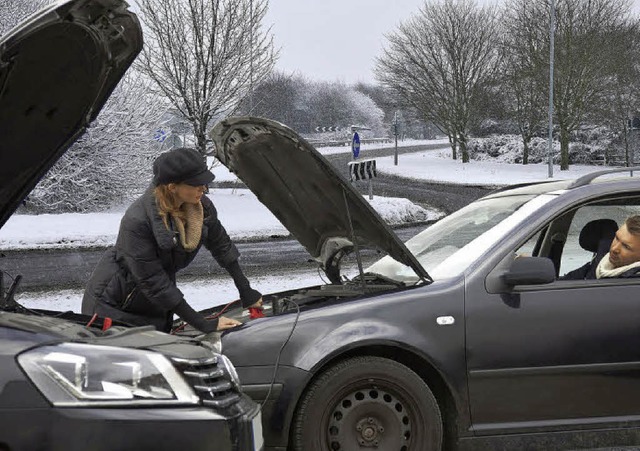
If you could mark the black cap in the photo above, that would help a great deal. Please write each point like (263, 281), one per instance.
(181, 165)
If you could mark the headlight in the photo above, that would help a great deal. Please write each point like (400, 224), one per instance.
(231, 371)
(75, 375)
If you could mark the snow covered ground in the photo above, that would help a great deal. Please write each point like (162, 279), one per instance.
(241, 213)
(99, 229)
(437, 166)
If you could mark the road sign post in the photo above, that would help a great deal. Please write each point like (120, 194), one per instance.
(363, 170)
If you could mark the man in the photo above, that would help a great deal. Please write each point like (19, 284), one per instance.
(622, 260)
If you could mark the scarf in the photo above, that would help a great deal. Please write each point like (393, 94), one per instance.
(190, 228)
(606, 269)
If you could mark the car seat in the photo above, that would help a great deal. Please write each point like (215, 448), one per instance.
(597, 234)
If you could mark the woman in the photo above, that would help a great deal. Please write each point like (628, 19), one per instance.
(161, 233)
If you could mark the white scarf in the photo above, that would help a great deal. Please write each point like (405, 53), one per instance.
(606, 269)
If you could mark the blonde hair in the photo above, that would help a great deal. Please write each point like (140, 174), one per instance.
(167, 204)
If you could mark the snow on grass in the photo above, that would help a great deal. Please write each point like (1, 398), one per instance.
(239, 210)
(201, 294)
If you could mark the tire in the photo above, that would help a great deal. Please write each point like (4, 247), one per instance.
(367, 403)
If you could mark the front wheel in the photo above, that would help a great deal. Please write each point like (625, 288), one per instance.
(367, 403)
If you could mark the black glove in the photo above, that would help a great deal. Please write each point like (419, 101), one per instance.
(195, 319)
(248, 295)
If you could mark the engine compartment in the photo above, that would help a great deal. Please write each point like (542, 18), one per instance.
(291, 301)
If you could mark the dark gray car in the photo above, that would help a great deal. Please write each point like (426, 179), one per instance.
(69, 382)
(464, 337)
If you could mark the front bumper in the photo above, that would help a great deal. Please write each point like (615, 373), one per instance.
(70, 429)
(278, 409)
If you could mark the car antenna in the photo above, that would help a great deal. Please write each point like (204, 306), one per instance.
(353, 239)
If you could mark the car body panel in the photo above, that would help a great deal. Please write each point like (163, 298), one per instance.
(326, 333)
(559, 356)
(131, 428)
(109, 429)
(594, 375)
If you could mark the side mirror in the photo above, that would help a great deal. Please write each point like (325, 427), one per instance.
(530, 271)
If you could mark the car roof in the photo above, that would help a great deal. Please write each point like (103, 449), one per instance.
(596, 178)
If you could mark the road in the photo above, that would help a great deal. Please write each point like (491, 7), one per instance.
(445, 197)
(71, 268)
(61, 269)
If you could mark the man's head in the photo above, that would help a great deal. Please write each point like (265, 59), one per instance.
(625, 247)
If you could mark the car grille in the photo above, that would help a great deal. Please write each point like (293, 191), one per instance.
(210, 380)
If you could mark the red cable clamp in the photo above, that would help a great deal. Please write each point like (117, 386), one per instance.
(255, 312)
(106, 324)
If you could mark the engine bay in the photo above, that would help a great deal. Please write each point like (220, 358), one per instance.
(291, 301)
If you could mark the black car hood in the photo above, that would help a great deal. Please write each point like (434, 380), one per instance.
(47, 329)
(313, 201)
(57, 69)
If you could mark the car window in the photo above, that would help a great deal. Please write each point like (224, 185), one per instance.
(448, 247)
(573, 255)
(531, 247)
(560, 238)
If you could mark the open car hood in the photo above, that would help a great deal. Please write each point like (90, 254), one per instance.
(57, 69)
(313, 201)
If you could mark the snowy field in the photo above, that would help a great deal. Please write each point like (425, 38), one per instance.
(200, 295)
(239, 210)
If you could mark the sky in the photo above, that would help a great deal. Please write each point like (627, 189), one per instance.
(338, 40)
(73, 230)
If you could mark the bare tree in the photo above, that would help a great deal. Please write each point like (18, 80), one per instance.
(521, 77)
(112, 161)
(205, 56)
(437, 60)
(276, 97)
(304, 105)
(622, 103)
(586, 39)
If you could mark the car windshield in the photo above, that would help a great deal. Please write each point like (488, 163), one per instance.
(449, 246)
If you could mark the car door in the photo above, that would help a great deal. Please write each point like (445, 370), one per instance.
(557, 355)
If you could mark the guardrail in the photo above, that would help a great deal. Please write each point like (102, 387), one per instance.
(610, 160)
(346, 141)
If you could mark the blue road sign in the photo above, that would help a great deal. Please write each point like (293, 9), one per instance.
(355, 145)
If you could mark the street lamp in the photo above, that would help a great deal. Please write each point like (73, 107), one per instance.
(552, 29)
(395, 133)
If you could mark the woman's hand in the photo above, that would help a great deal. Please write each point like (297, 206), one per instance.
(225, 323)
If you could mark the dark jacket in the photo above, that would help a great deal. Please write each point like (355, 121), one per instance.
(135, 281)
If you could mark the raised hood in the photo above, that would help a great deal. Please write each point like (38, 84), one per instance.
(57, 69)
(313, 201)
